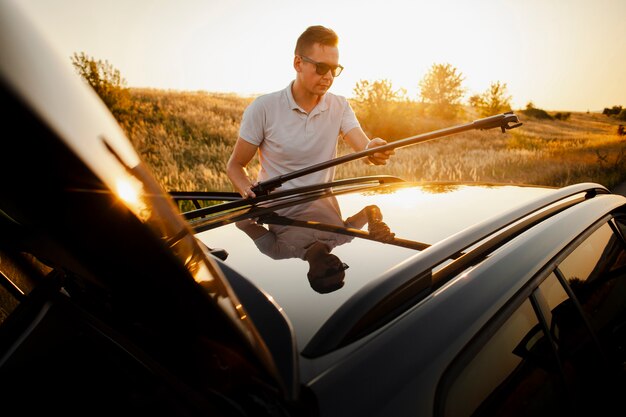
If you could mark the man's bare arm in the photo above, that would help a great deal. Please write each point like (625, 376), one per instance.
(236, 167)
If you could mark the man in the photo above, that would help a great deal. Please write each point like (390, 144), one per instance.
(297, 127)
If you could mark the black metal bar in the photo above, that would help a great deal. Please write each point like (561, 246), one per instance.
(248, 202)
(503, 121)
(204, 195)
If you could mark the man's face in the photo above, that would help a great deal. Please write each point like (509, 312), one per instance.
(313, 82)
(326, 273)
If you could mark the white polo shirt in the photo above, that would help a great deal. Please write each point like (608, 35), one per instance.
(290, 138)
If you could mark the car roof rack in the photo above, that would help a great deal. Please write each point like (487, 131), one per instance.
(504, 121)
(387, 296)
(234, 201)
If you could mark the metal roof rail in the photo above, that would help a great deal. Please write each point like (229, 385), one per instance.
(236, 202)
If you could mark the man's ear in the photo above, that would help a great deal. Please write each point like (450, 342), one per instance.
(297, 63)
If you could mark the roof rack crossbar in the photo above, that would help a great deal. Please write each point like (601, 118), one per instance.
(504, 121)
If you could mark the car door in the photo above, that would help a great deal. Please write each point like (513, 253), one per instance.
(559, 351)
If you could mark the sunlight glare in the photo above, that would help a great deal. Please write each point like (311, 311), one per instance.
(130, 191)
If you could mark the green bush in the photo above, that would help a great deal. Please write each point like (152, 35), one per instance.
(532, 111)
(613, 111)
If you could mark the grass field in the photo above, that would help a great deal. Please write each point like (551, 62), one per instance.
(186, 138)
(548, 152)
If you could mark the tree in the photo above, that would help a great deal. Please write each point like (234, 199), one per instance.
(377, 93)
(493, 101)
(106, 81)
(615, 110)
(382, 111)
(442, 89)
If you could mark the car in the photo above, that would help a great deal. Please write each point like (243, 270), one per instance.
(369, 296)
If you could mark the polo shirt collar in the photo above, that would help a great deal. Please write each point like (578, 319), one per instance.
(321, 106)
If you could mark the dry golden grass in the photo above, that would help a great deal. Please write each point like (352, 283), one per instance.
(583, 148)
(187, 137)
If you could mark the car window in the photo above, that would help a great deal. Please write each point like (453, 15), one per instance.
(596, 273)
(549, 355)
(579, 355)
(512, 375)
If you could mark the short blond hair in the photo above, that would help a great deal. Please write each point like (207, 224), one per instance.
(315, 34)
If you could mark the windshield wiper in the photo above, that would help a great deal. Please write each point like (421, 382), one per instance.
(504, 121)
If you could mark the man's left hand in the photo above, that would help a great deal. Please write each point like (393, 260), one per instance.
(379, 158)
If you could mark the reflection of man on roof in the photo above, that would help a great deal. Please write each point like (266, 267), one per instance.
(326, 270)
(283, 242)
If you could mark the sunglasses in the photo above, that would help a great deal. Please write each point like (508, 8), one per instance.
(341, 267)
(322, 68)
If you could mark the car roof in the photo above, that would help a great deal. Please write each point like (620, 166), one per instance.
(432, 222)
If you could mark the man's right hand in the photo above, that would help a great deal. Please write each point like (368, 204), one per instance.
(236, 168)
(247, 192)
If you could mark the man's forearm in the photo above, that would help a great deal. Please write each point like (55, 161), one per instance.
(238, 176)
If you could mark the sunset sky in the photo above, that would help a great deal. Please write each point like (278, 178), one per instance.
(560, 54)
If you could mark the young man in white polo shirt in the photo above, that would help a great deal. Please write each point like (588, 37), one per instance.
(297, 127)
